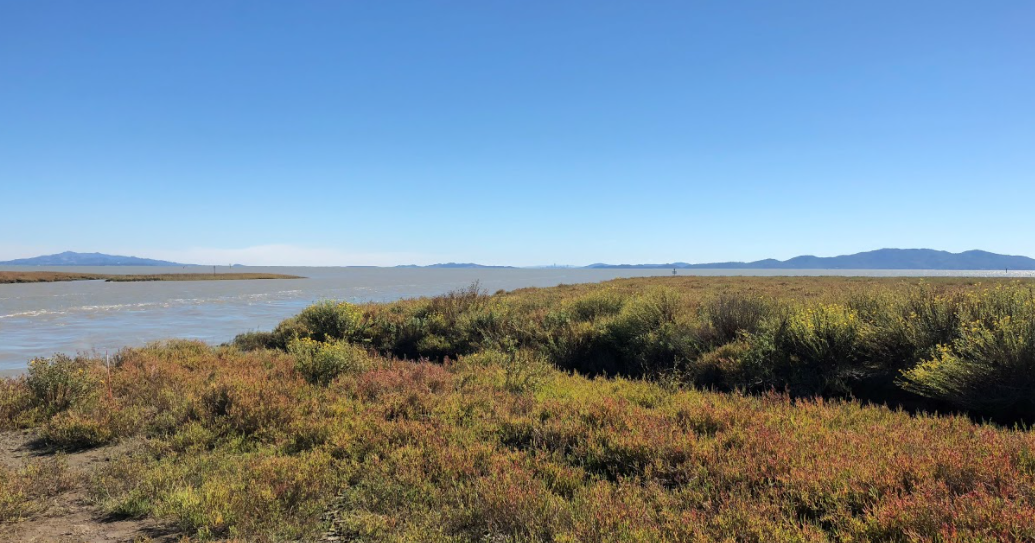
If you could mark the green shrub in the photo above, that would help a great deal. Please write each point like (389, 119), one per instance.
(721, 368)
(451, 325)
(813, 350)
(603, 303)
(72, 431)
(523, 371)
(319, 363)
(457, 302)
(577, 346)
(60, 382)
(330, 320)
(454, 324)
(931, 319)
(906, 328)
(485, 326)
(15, 401)
(990, 369)
(284, 332)
(730, 316)
(652, 334)
(253, 341)
(323, 321)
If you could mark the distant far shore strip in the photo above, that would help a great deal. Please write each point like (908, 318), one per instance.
(51, 277)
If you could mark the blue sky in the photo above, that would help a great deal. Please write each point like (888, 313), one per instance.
(513, 132)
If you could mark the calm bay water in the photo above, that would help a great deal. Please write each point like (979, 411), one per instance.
(93, 316)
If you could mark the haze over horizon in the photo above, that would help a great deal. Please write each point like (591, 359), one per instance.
(516, 134)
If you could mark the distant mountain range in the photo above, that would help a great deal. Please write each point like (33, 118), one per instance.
(881, 259)
(69, 258)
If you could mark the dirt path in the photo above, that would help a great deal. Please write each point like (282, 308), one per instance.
(69, 517)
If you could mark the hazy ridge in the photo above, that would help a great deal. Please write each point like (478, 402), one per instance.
(881, 259)
(71, 258)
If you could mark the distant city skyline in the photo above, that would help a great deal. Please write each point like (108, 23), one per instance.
(522, 134)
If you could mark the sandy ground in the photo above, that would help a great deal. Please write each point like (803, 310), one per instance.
(69, 517)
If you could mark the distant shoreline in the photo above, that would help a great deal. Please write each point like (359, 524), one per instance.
(8, 277)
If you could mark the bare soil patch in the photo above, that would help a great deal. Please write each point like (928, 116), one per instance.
(70, 517)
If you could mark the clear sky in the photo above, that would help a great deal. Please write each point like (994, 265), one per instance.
(515, 132)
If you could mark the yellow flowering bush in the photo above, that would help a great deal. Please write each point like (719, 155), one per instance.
(990, 368)
(814, 349)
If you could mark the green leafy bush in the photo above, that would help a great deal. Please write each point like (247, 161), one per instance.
(319, 363)
(816, 349)
(730, 316)
(60, 382)
(652, 334)
(595, 305)
(330, 320)
(906, 328)
(989, 369)
(722, 368)
(252, 341)
(523, 371)
(323, 321)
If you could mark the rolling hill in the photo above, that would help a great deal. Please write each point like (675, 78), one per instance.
(881, 259)
(70, 258)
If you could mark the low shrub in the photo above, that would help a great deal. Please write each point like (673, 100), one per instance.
(523, 371)
(990, 369)
(454, 324)
(455, 303)
(652, 334)
(576, 345)
(73, 430)
(247, 405)
(324, 321)
(119, 488)
(23, 492)
(730, 316)
(253, 341)
(60, 382)
(319, 363)
(595, 305)
(284, 333)
(906, 328)
(15, 401)
(330, 320)
(722, 368)
(815, 349)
